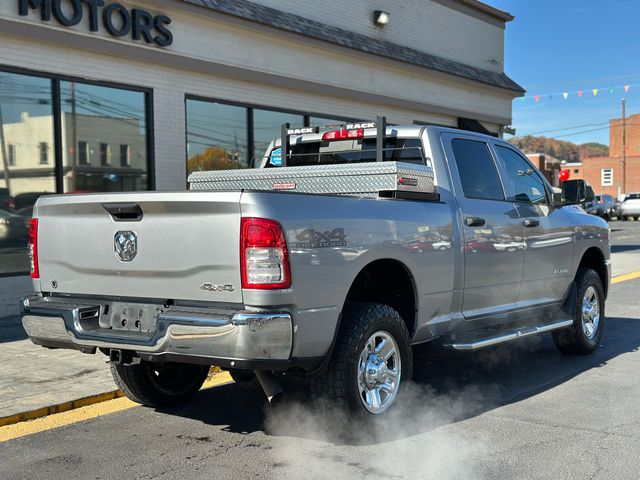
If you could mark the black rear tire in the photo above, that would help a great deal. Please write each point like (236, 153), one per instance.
(574, 340)
(359, 322)
(159, 384)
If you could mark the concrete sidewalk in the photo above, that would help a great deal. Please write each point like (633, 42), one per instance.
(32, 377)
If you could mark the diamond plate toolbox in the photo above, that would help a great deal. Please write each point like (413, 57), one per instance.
(344, 179)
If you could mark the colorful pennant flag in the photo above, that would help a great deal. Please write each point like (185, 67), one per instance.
(549, 96)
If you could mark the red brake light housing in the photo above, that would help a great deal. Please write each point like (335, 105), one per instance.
(343, 134)
(33, 248)
(264, 256)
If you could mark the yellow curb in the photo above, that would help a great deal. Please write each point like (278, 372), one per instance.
(625, 277)
(55, 416)
(59, 408)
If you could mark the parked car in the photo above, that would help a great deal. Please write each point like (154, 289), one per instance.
(7, 202)
(630, 207)
(27, 199)
(12, 228)
(26, 213)
(242, 271)
(604, 206)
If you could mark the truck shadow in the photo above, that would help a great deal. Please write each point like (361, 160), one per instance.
(447, 388)
(11, 329)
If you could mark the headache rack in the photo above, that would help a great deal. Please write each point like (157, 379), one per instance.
(380, 125)
(385, 179)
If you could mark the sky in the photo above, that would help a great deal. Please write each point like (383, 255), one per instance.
(556, 46)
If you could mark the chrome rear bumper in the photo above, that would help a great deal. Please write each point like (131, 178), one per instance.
(179, 331)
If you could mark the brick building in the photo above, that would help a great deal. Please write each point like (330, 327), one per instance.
(604, 174)
(548, 165)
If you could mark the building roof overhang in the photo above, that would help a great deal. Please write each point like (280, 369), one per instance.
(310, 28)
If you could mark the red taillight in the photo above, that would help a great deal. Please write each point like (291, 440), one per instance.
(264, 257)
(343, 134)
(33, 247)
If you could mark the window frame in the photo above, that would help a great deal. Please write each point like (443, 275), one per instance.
(87, 160)
(104, 151)
(11, 155)
(545, 183)
(56, 110)
(602, 177)
(43, 148)
(450, 139)
(126, 160)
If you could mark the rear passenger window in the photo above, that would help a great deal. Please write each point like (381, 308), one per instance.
(477, 170)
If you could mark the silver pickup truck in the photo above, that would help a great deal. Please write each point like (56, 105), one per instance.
(343, 251)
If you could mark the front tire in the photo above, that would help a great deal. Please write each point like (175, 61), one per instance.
(584, 336)
(159, 384)
(371, 361)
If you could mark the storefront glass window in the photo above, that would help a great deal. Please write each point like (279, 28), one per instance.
(103, 147)
(266, 127)
(216, 136)
(26, 161)
(97, 122)
(325, 121)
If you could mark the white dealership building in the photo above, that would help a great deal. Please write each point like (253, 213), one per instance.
(106, 96)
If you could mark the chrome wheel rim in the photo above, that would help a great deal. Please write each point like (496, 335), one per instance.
(379, 369)
(590, 313)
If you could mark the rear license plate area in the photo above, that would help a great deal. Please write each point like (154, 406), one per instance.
(135, 317)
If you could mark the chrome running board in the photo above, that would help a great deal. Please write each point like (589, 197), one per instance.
(510, 336)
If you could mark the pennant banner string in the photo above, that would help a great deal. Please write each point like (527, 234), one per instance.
(578, 93)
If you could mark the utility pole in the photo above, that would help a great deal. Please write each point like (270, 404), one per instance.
(74, 140)
(624, 148)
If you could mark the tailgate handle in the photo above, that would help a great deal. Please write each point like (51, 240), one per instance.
(124, 212)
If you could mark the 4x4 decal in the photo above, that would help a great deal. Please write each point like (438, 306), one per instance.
(310, 238)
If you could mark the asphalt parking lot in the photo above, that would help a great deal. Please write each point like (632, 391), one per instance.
(518, 411)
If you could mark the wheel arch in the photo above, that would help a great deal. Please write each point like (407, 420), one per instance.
(388, 281)
(594, 258)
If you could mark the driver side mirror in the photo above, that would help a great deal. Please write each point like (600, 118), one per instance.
(577, 192)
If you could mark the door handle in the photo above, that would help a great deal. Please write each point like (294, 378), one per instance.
(474, 221)
(527, 222)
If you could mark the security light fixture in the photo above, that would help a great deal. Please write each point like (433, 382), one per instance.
(381, 18)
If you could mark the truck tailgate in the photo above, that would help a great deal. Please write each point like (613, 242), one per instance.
(187, 245)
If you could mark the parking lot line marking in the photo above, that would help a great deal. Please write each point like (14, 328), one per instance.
(56, 420)
(625, 277)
